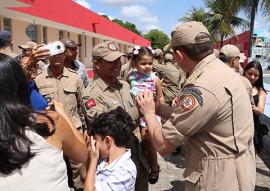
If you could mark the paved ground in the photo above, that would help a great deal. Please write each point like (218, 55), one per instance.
(172, 168)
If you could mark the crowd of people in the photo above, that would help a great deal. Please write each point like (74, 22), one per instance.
(58, 131)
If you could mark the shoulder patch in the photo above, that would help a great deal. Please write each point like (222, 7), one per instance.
(193, 92)
(187, 102)
(89, 104)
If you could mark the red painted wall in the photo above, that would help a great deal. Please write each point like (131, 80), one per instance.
(70, 13)
(29, 2)
(242, 43)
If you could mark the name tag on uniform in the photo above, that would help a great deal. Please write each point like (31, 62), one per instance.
(90, 103)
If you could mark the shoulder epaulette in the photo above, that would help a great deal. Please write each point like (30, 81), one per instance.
(193, 77)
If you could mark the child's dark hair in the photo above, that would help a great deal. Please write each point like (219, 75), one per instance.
(138, 52)
(117, 124)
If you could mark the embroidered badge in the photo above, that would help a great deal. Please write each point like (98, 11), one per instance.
(193, 91)
(89, 104)
(187, 102)
(112, 47)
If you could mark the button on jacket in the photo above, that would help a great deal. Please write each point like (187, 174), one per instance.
(214, 119)
(67, 89)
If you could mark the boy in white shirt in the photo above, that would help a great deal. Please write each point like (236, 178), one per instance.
(110, 166)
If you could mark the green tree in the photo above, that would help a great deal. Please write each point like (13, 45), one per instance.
(251, 8)
(200, 15)
(158, 38)
(196, 14)
(128, 25)
(105, 16)
(223, 18)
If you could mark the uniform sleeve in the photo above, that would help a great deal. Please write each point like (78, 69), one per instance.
(80, 91)
(192, 115)
(92, 105)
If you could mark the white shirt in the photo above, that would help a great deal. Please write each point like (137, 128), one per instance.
(118, 176)
(46, 171)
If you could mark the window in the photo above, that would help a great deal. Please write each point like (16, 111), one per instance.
(85, 46)
(61, 34)
(44, 30)
(93, 42)
(7, 23)
(80, 47)
(68, 34)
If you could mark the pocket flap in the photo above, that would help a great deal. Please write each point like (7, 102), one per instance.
(192, 175)
(46, 91)
(71, 89)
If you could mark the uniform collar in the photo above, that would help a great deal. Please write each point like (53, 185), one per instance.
(197, 70)
(118, 162)
(75, 66)
(104, 85)
(202, 63)
(50, 74)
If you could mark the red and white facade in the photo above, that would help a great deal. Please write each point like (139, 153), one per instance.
(63, 18)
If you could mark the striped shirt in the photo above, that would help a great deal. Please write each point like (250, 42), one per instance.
(118, 176)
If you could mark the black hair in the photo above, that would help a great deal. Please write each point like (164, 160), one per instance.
(4, 43)
(197, 52)
(255, 64)
(141, 52)
(16, 114)
(224, 58)
(117, 123)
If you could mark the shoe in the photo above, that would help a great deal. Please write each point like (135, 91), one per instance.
(153, 179)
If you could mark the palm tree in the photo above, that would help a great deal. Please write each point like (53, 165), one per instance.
(251, 8)
(196, 14)
(199, 15)
(223, 18)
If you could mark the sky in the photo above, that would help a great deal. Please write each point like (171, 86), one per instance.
(156, 14)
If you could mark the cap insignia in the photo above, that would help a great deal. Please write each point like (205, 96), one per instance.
(112, 47)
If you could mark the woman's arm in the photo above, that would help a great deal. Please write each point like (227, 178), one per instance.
(159, 90)
(73, 143)
(89, 184)
(259, 109)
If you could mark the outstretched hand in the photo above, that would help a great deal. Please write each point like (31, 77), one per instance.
(146, 102)
(38, 53)
(59, 108)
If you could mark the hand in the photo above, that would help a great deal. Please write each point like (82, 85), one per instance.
(38, 54)
(86, 138)
(93, 148)
(59, 108)
(174, 102)
(254, 108)
(164, 85)
(49, 105)
(145, 102)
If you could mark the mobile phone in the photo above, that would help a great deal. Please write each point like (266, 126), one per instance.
(48, 99)
(54, 48)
